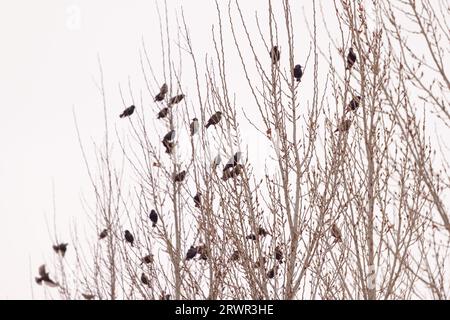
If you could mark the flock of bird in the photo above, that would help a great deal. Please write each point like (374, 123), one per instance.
(232, 169)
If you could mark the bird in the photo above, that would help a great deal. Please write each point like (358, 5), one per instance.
(194, 126)
(147, 259)
(354, 104)
(344, 126)
(60, 248)
(233, 161)
(216, 162)
(169, 145)
(278, 254)
(192, 252)
(176, 99)
(298, 72)
(215, 119)
(203, 252)
(45, 277)
(162, 93)
(336, 233)
(251, 237)
(103, 234)
(163, 113)
(129, 237)
(169, 135)
(272, 272)
(153, 217)
(145, 280)
(198, 200)
(127, 112)
(235, 256)
(351, 58)
(88, 296)
(262, 232)
(232, 173)
(275, 54)
(179, 177)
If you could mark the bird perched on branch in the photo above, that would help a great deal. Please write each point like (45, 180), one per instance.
(147, 259)
(162, 93)
(354, 104)
(168, 141)
(145, 280)
(129, 237)
(232, 173)
(275, 54)
(272, 272)
(88, 296)
(351, 58)
(194, 126)
(298, 72)
(153, 217)
(215, 119)
(233, 162)
(336, 233)
(251, 237)
(192, 252)
(179, 177)
(103, 234)
(235, 256)
(60, 248)
(344, 126)
(198, 200)
(163, 113)
(278, 254)
(262, 232)
(127, 112)
(169, 135)
(176, 99)
(44, 276)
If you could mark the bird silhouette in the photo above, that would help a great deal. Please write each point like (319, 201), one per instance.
(278, 254)
(147, 259)
(354, 104)
(336, 233)
(198, 200)
(103, 234)
(162, 93)
(179, 177)
(194, 126)
(298, 72)
(262, 232)
(163, 113)
(176, 99)
(235, 256)
(60, 248)
(251, 237)
(275, 55)
(153, 217)
(145, 280)
(192, 252)
(88, 296)
(169, 135)
(233, 161)
(127, 112)
(215, 119)
(351, 58)
(129, 237)
(344, 126)
(44, 277)
(272, 273)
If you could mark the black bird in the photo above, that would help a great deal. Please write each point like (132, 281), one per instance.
(103, 234)
(298, 72)
(336, 233)
(198, 200)
(179, 177)
(127, 112)
(215, 119)
(194, 126)
(235, 256)
(153, 217)
(232, 173)
(275, 55)
(192, 252)
(129, 237)
(169, 135)
(162, 93)
(354, 104)
(88, 296)
(45, 277)
(233, 161)
(351, 58)
(147, 259)
(60, 248)
(344, 126)
(278, 254)
(169, 145)
(272, 272)
(145, 280)
(262, 232)
(176, 99)
(163, 113)
(251, 237)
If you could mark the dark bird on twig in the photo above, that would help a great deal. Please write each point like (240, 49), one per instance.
(272, 273)
(262, 232)
(278, 254)
(145, 280)
(179, 177)
(194, 126)
(129, 237)
(203, 252)
(298, 72)
(60, 248)
(232, 173)
(354, 104)
(169, 135)
(163, 113)
(176, 99)
(344, 126)
(198, 200)
(103, 234)
(169, 145)
(153, 217)
(147, 259)
(127, 112)
(162, 93)
(215, 119)
(275, 54)
(233, 161)
(336, 233)
(251, 237)
(192, 252)
(235, 256)
(351, 58)
(45, 277)
(88, 296)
